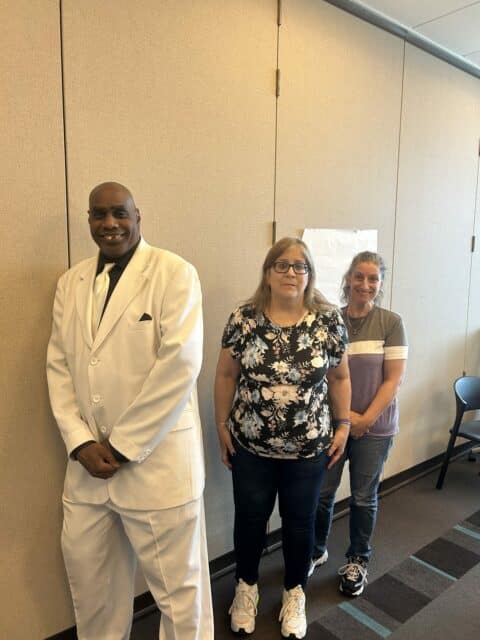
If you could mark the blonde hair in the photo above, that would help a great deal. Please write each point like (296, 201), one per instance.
(313, 299)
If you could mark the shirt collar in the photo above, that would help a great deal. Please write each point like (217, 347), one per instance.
(120, 262)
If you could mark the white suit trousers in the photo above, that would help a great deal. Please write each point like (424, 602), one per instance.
(101, 543)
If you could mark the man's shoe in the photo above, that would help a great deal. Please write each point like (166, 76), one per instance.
(316, 562)
(292, 615)
(244, 608)
(354, 576)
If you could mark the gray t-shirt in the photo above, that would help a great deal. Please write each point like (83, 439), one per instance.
(378, 337)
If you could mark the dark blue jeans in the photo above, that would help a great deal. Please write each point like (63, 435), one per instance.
(366, 458)
(256, 483)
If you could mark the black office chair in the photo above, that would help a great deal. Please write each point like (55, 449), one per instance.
(467, 395)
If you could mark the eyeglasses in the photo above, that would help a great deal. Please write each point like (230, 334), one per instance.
(282, 266)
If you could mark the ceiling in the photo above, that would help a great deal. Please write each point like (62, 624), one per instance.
(453, 24)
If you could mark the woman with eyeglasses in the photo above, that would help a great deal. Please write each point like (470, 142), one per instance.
(282, 353)
(377, 356)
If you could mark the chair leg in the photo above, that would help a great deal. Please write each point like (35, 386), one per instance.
(446, 460)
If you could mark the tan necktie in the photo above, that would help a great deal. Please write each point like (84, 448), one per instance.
(100, 290)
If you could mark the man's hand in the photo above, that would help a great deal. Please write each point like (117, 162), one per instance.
(98, 460)
(360, 425)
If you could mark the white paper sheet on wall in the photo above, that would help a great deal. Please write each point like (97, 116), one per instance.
(333, 250)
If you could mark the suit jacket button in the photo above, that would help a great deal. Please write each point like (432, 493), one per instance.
(96, 399)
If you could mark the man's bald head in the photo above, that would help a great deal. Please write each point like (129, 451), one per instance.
(109, 186)
(113, 218)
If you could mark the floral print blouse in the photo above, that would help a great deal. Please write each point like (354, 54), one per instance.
(280, 409)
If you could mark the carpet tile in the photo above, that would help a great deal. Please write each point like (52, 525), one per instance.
(365, 619)
(475, 519)
(395, 597)
(461, 538)
(373, 612)
(449, 557)
(344, 625)
(317, 632)
(471, 533)
(420, 577)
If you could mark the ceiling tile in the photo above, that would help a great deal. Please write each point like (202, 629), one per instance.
(415, 12)
(474, 57)
(459, 31)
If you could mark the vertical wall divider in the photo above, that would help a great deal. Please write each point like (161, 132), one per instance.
(392, 271)
(277, 96)
(64, 127)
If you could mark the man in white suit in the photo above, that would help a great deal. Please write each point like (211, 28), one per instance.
(122, 364)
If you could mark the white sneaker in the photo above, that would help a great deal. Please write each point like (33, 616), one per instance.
(292, 615)
(244, 608)
(316, 562)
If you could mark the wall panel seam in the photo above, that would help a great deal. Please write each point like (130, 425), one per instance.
(398, 175)
(64, 127)
(275, 151)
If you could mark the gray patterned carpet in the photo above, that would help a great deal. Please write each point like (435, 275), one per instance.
(416, 520)
(399, 594)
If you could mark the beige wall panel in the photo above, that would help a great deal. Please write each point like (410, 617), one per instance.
(472, 352)
(338, 125)
(437, 179)
(33, 592)
(338, 122)
(176, 99)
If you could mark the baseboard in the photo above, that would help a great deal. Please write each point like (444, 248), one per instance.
(144, 604)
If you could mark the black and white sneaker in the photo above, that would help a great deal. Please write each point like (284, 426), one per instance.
(354, 576)
(317, 562)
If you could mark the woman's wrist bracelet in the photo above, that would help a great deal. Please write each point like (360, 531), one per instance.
(338, 421)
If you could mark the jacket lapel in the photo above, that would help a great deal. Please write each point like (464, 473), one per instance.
(129, 285)
(83, 299)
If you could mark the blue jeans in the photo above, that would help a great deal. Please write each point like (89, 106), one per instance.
(366, 458)
(256, 483)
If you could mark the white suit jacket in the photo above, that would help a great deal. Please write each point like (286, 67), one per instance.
(134, 383)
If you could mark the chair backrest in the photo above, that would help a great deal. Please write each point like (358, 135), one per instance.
(467, 390)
